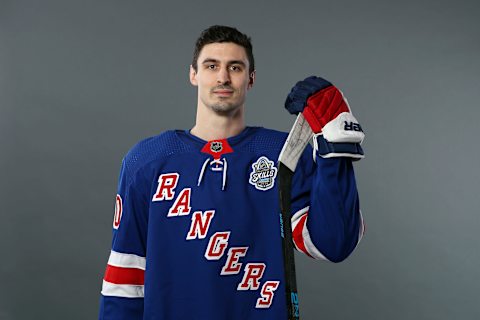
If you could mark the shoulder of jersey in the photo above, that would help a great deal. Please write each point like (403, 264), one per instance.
(154, 148)
(270, 138)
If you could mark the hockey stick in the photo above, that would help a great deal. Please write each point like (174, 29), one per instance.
(297, 140)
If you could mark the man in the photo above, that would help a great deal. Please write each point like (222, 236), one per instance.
(196, 227)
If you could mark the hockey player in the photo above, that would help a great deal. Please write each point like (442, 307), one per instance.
(196, 225)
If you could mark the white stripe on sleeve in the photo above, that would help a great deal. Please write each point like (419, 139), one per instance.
(296, 217)
(122, 290)
(126, 260)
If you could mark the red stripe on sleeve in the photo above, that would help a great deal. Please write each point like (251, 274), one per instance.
(297, 235)
(119, 275)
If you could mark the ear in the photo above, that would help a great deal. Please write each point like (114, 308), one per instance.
(193, 76)
(251, 79)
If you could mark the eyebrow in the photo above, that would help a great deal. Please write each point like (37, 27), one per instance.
(211, 60)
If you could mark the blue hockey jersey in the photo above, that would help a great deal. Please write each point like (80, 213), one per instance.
(196, 231)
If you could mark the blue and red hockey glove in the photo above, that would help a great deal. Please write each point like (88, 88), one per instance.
(337, 132)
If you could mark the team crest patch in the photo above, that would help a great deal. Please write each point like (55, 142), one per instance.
(216, 146)
(263, 175)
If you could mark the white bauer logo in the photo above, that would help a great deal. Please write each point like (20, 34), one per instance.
(263, 175)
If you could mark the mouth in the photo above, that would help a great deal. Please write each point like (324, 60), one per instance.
(223, 92)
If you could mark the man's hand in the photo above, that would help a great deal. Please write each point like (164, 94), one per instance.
(337, 132)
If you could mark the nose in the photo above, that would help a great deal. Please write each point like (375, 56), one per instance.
(223, 76)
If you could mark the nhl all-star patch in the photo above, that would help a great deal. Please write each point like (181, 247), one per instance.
(263, 174)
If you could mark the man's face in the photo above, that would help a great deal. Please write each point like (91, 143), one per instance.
(222, 77)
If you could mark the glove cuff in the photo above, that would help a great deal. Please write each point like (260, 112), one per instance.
(327, 149)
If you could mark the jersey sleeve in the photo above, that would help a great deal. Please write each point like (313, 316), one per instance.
(326, 220)
(123, 283)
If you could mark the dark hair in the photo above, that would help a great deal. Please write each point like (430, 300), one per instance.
(215, 34)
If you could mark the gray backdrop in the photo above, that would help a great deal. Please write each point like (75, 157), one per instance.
(82, 81)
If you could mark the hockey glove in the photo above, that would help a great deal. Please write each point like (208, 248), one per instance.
(337, 132)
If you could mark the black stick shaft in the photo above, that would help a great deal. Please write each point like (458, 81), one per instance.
(285, 183)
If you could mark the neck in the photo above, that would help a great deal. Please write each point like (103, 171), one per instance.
(209, 125)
